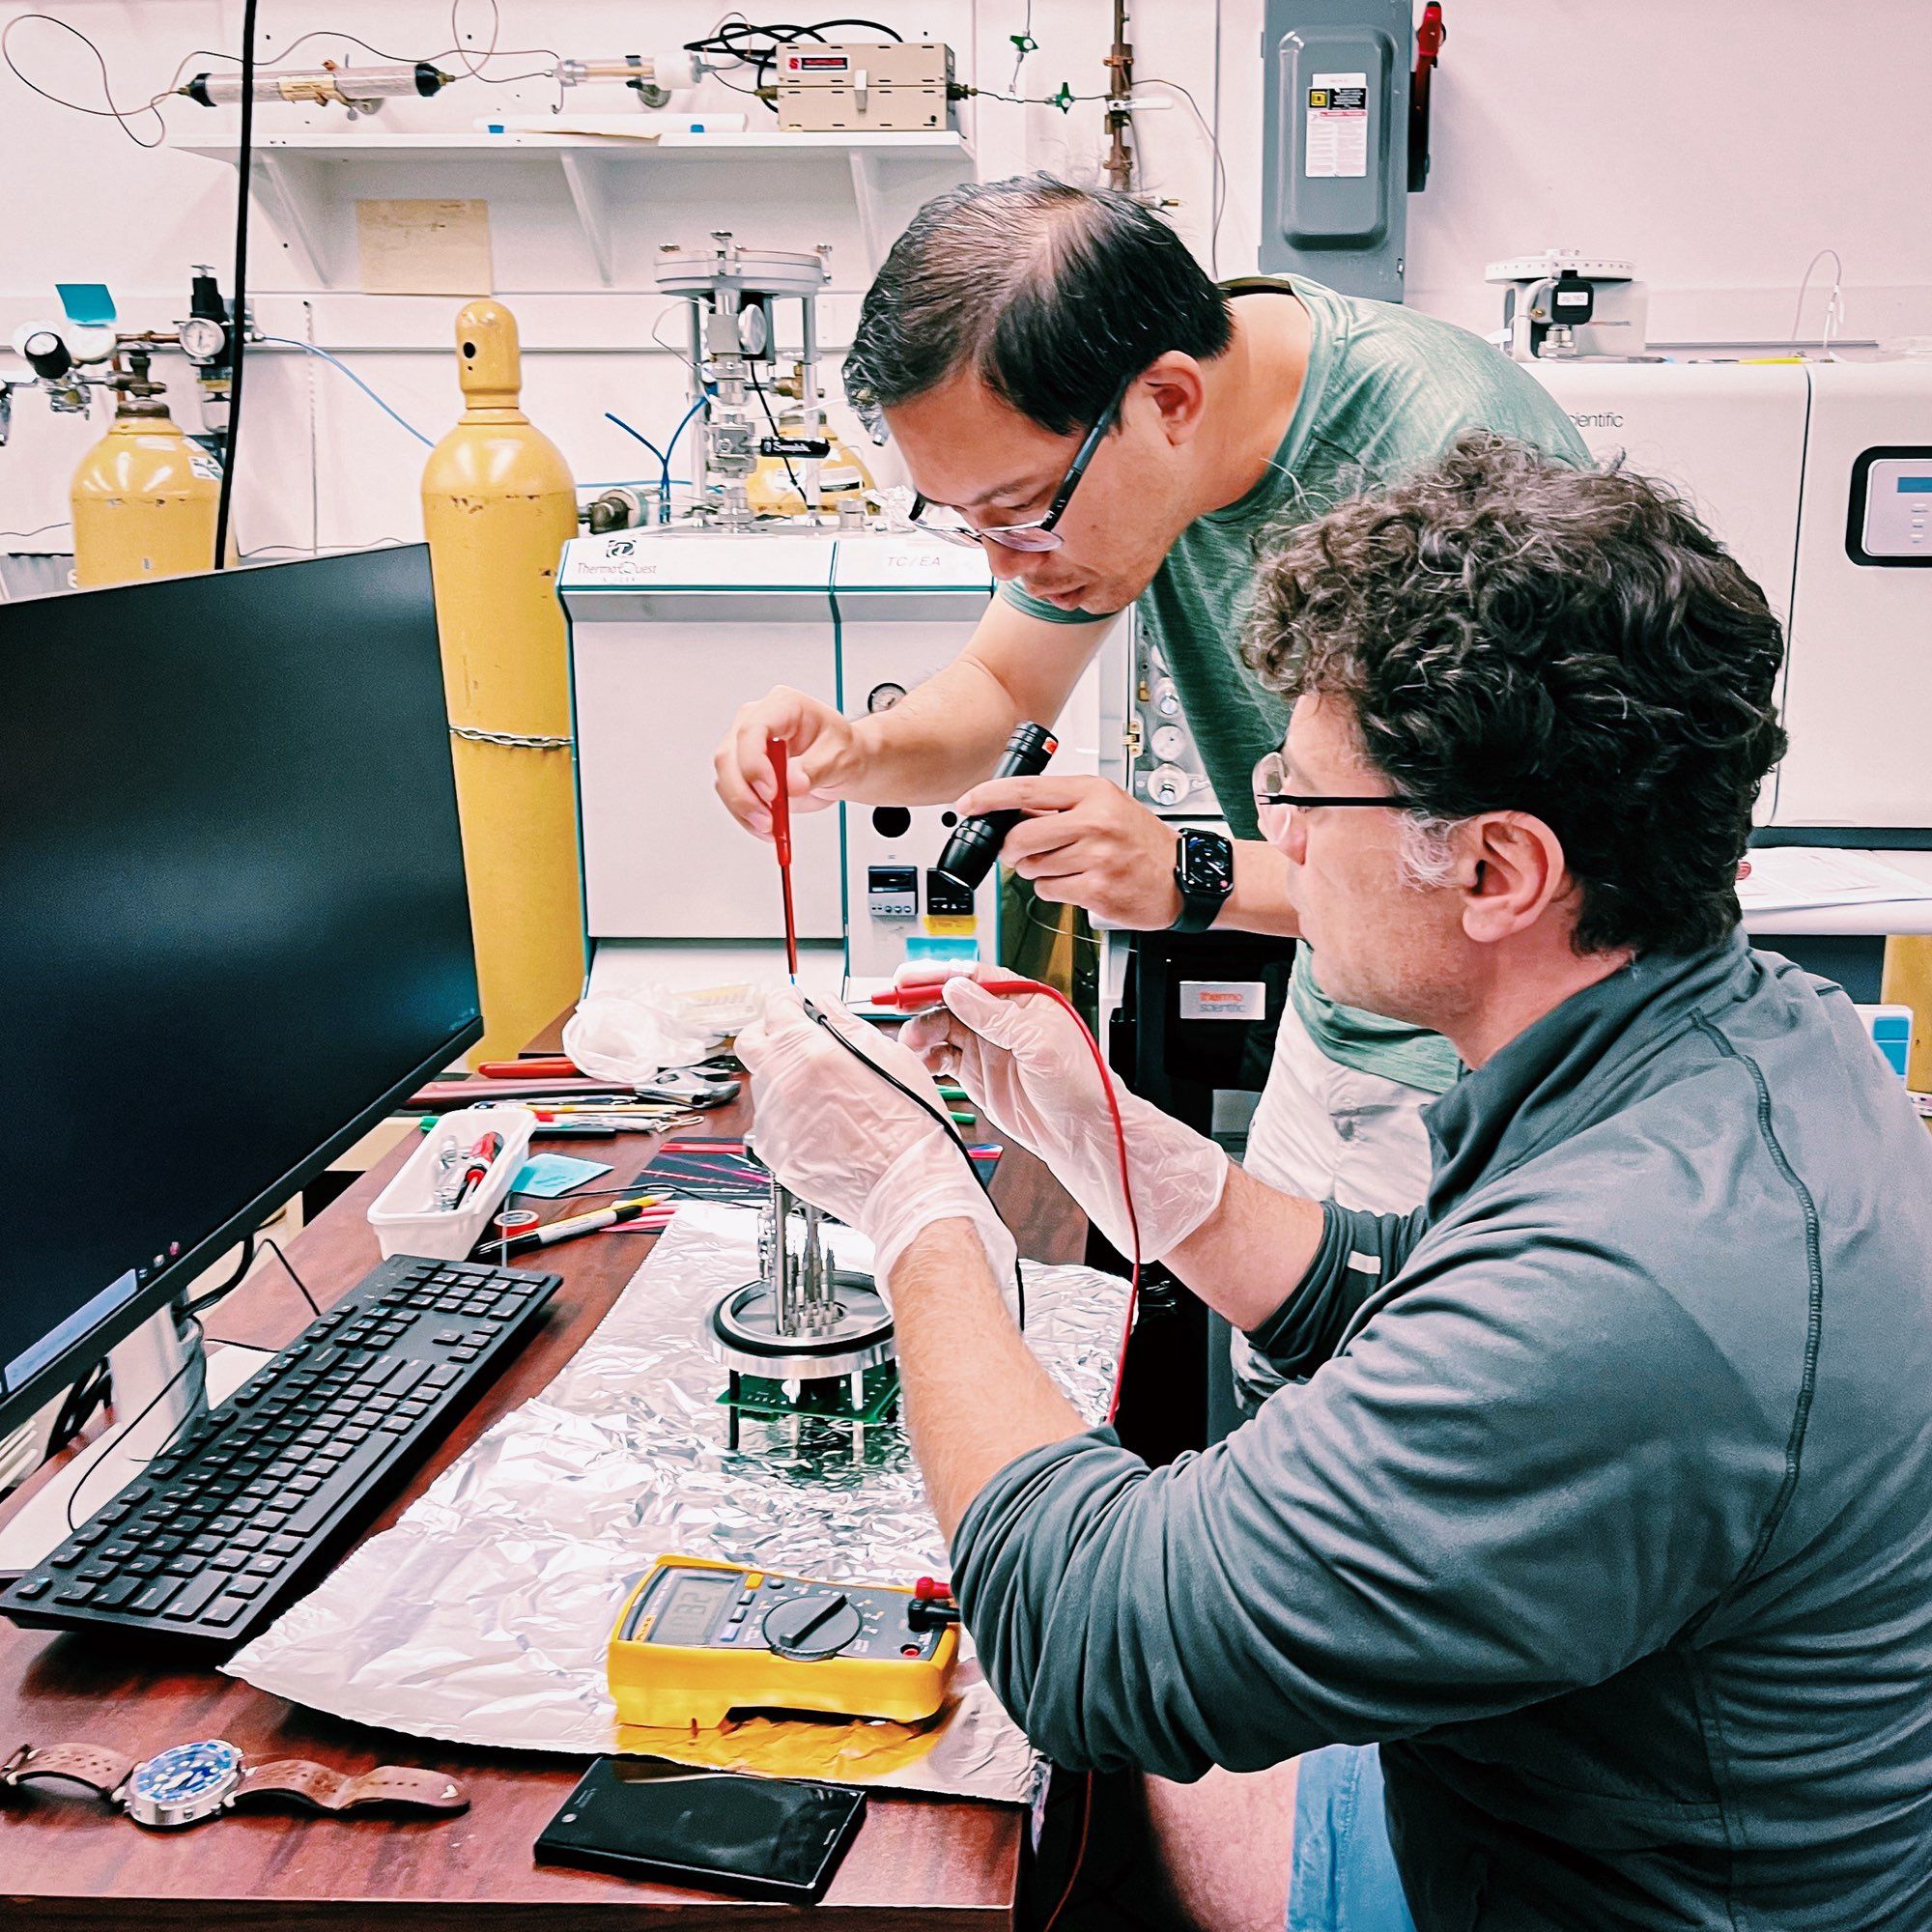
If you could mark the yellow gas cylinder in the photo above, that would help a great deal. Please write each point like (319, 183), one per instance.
(498, 506)
(143, 499)
(1908, 982)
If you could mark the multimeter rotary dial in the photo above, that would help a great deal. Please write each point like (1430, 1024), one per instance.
(811, 1627)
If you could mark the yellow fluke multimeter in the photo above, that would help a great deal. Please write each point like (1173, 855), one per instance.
(696, 1641)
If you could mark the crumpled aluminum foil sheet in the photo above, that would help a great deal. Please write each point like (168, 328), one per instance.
(481, 1617)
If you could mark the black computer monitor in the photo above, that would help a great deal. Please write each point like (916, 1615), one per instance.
(234, 930)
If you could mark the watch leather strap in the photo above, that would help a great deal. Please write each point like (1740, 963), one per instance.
(105, 1771)
(102, 1771)
(315, 1784)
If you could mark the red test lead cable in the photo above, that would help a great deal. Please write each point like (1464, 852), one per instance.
(923, 997)
(774, 751)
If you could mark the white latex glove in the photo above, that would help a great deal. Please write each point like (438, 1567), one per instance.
(840, 1137)
(1027, 1064)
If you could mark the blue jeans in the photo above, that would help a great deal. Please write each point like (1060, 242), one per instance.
(1344, 1876)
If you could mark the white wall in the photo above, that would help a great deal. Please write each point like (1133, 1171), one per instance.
(1719, 142)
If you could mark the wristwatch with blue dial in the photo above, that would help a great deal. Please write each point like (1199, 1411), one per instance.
(186, 1783)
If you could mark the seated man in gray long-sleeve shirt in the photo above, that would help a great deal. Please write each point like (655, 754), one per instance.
(1602, 1502)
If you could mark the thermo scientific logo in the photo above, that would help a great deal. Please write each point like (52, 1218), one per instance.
(1597, 419)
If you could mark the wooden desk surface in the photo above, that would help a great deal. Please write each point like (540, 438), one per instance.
(67, 1863)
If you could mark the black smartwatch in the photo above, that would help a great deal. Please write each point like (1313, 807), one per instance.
(1203, 868)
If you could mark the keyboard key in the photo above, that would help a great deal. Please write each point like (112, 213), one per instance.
(224, 1611)
(118, 1594)
(225, 1525)
(396, 1425)
(144, 1566)
(304, 1486)
(30, 1587)
(229, 1559)
(266, 1564)
(250, 1538)
(184, 1566)
(285, 1545)
(76, 1593)
(156, 1593)
(248, 1586)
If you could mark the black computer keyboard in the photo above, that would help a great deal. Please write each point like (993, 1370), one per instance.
(219, 1535)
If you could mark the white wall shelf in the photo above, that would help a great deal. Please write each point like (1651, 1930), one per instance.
(301, 179)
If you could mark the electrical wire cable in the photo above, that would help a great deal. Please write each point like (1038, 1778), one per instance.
(87, 1395)
(111, 112)
(1217, 194)
(335, 362)
(772, 421)
(819, 1018)
(233, 1281)
(196, 1357)
(238, 364)
(670, 449)
(642, 437)
(733, 34)
(38, 529)
(274, 1247)
(1834, 311)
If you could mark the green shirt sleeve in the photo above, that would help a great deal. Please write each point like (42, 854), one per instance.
(1049, 613)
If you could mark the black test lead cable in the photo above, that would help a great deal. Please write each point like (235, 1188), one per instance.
(819, 1018)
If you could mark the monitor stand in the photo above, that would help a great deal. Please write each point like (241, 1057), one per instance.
(156, 1364)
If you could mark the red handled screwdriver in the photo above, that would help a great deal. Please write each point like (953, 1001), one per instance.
(775, 749)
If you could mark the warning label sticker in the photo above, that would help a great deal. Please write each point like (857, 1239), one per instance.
(1337, 140)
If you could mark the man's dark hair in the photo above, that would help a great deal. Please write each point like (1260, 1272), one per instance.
(1054, 296)
(1515, 635)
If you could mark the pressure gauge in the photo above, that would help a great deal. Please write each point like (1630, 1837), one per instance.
(1170, 743)
(883, 696)
(203, 340)
(1166, 698)
(1167, 784)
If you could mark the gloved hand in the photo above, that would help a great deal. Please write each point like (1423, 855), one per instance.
(1027, 1064)
(840, 1137)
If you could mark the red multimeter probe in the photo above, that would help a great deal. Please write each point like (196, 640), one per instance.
(922, 997)
(775, 749)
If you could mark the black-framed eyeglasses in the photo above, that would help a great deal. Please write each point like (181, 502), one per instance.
(1042, 534)
(1273, 802)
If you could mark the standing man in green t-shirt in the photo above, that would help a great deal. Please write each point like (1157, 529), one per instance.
(1070, 391)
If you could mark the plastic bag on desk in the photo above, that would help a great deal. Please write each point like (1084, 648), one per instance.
(633, 1034)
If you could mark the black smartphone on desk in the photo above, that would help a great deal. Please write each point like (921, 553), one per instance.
(760, 1838)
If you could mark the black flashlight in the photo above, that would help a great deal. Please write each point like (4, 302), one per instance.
(976, 843)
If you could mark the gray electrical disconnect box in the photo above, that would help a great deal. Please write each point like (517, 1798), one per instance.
(1335, 142)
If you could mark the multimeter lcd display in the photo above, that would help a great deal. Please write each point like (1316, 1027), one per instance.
(692, 1609)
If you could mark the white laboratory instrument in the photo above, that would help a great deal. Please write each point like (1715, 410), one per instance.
(1818, 478)
(671, 632)
(1564, 303)
(735, 373)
